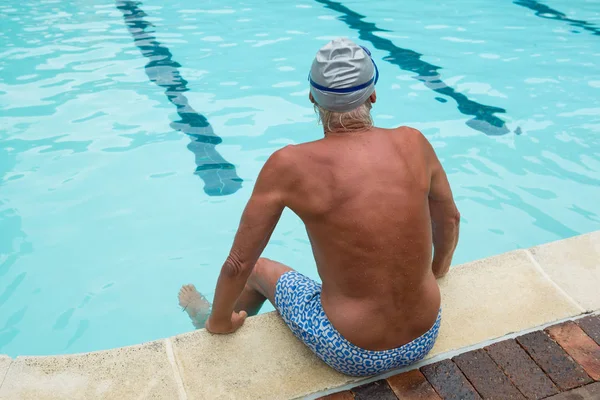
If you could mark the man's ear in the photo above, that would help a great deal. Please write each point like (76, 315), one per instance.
(373, 97)
(311, 98)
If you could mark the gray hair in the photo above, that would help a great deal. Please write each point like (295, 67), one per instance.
(351, 121)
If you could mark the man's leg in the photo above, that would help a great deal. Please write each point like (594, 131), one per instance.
(195, 304)
(261, 285)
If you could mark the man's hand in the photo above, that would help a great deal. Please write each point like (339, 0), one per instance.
(226, 326)
(441, 272)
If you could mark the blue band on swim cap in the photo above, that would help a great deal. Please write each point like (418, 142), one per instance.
(366, 50)
(353, 88)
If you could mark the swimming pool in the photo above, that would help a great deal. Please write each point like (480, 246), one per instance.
(132, 132)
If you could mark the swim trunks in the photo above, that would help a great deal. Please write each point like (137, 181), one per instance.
(298, 300)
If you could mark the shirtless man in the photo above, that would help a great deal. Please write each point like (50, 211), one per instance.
(373, 201)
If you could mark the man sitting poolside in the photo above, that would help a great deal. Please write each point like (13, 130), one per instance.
(373, 201)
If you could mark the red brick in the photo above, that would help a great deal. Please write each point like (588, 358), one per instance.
(449, 382)
(578, 345)
(591, 326)
(347, 395)
(553, 360)
(523, 372)
(378, 390)
(487, 378)
(412, 385)
(588, 392)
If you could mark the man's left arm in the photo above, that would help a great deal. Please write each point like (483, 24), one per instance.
(256, 226)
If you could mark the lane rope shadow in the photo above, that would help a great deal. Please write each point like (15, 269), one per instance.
(409, 60)
(543, 11)
(219, 176)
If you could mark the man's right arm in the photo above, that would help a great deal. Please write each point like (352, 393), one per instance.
(445, 218)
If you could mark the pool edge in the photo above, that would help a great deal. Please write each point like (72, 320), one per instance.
(508, 294)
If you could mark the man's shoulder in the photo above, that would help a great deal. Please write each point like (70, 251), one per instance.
(284, 162)
(293, 154)
(407, 132)
(283, 158)
(286, 168)
(407, 137)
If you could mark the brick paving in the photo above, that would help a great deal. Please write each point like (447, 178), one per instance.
(448, 381)
(579, 346)
(522, 371)
(486, 376)
(591, 326)
(412, 385)
(553, 359)
(561, 362)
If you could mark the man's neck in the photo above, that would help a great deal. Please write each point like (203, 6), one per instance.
(347, 132)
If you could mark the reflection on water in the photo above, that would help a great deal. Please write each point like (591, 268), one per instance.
(219, 176)
(13, 244)
(498, 197)
(543, 11)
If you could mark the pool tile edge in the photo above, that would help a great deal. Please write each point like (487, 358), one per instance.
(573, 264)
(5, 362)
(135, 371)
(181, 392)
(261, 360)
(495, 296)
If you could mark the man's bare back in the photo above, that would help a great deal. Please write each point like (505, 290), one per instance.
(364, 198)
(374, 202)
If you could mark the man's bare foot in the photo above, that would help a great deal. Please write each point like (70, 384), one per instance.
(195, 304)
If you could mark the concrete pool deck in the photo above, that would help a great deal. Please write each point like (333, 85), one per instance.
(483, 301)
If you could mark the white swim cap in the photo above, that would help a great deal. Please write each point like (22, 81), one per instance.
(343, 76)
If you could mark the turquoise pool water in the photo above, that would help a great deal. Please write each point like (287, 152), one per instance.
(131, 135)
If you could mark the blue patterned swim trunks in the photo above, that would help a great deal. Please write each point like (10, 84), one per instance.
(298, 300)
